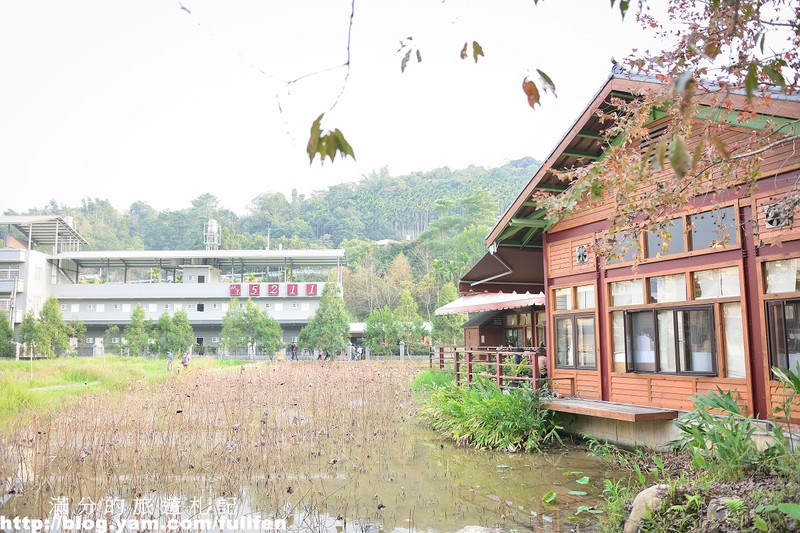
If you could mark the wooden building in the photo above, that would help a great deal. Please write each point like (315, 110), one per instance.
(654, 332)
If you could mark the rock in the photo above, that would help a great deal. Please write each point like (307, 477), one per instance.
(644, 503)
(717, 510)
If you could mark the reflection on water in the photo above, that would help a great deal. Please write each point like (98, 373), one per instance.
(364, 466)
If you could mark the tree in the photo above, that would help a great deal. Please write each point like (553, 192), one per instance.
(111, 333)
(77, 330)
(53, 332)
(407, 320)
(136, 334)
(163, 334)
(447, 328)
(380, 332)
(182, 332)
(250, 328)
(329, 328)
(6, 336)
(29, 333)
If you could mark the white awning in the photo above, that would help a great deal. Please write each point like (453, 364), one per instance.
(491, 301)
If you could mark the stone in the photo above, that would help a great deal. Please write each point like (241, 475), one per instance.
(717, 510)
(644, 503)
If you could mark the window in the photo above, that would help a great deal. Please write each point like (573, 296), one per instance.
(90, 307)
(667, 288)
(152, 308)
(734, 339)
(295, 305)
(74, 308)
(713, 229)
(627, 293)
(101, 308)
(279, 307)
(585, 296)
(782, 276)
(678, 340)
(574, 341)
(63, 307)
(126, 308)
(213, 306)
(668, 241)
(189, 306)
(624, 247)
(201, 308)
(563, 299)
(267, 306)
(783, 324)
(89, 340)
(717, 283)
(214, 340)
(114, 340)
(166, 307)
(117, 307)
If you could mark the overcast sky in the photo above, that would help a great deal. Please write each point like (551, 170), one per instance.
(144, 100)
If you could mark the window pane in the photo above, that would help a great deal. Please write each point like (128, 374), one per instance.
(627, 292)
(586, 349)
(711, 228)
(668, 288)
(777, 335)
(618, 336)
(782, 276)
(644, 355)
(718, 283)
(666, 341)
(564, 344)
(624, 247)
(585, 297)
(563, 299)
(673, 239)
(792, 312)
(698, 351)
(734, 339)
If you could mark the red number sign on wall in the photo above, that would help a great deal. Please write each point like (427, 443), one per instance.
(255, 289)
(236, 289)
(273, 289)
(311, 289)
(291, 289)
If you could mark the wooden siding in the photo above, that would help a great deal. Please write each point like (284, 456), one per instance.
(561, 258)
(587, 383)
(777, 396)
(672, 392)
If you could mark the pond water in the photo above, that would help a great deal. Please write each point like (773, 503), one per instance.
(344, 454)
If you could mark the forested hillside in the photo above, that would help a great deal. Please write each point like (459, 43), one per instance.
(438, 218)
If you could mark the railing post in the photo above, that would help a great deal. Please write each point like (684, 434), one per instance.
(455, 365)
(469, 367)
(534, 362)
(499, 368)
(441, 357)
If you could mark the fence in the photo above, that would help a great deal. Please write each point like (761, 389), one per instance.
(507, 368)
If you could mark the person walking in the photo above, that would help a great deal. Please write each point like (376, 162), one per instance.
(294, 351)
(185, 360)
(170, 359)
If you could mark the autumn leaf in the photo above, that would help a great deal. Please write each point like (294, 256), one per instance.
(548, 84)
(464, 51)
(404, 62)
(719, 144)
(531, 91)
(679, 156)
(477, 50)
(327, 144)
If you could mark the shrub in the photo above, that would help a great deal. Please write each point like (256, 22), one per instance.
(485, 416)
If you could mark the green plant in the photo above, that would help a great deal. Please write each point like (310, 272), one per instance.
(616, 495)
(485, 416)
(432, 379)
(720, 444)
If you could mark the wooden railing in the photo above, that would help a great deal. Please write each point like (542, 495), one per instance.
(507, 368)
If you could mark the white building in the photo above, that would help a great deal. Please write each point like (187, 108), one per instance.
(101, 288)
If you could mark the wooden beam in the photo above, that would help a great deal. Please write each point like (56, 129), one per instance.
(527, 223)
(529, 236)
(508, 232)
(550, 188)
(581, 155)
(590, 135)
(518, 244)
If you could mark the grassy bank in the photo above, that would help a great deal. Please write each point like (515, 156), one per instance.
(48, 382)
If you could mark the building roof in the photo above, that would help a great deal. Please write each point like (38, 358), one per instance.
(523, 223)
(223, 259)
(45, 230)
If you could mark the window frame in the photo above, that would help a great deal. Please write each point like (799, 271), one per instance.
(573, 318)
(768, 304)
(630, 366)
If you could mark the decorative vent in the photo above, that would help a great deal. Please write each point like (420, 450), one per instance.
(581, 254)
(777, 216)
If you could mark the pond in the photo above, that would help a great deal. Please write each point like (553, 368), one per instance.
(314, 446)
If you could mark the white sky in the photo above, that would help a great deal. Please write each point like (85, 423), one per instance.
(140, 100)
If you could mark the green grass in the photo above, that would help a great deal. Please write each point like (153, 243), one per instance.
(431, 379)
(54, 380)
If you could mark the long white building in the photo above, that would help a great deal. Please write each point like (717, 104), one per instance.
(41, 256)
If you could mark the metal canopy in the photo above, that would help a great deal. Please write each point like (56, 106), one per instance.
(47, 230)
(491, 301)
(222, 259)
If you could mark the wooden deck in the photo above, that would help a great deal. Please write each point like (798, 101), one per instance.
(610, 410)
